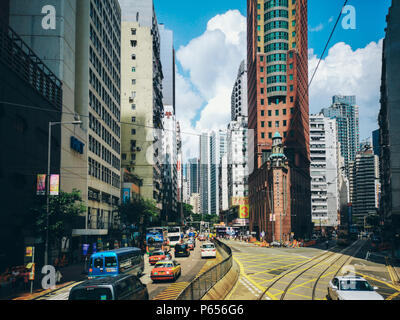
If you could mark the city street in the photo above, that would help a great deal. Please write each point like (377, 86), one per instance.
(313, 268)
(191, 267)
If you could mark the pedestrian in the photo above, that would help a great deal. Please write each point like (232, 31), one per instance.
(327, 244)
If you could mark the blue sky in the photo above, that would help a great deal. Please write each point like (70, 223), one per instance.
(188, 19)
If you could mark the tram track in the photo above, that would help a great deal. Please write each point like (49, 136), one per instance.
(311, 265)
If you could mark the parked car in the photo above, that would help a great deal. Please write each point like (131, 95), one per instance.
(182, 250)
(208, 250)
(166, 270)
(158, 255)
(352, 288)
(121, 287)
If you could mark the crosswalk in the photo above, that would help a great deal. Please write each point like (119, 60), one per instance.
(172, 292)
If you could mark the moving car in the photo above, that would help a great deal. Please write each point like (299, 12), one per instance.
(208, 250)
(202, 237)
(182, 250)
(166, 270)
(352, 288)
(121, 287)
(158, 255)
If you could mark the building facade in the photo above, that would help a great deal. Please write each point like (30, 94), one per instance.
(142, 97)
(364, 185)
(277, 62)
(239, 93)
(389, 129)
(325, 173)
(345, 111)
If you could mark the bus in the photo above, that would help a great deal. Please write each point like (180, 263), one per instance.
(174, 235)
(115, 262)
(157, 239)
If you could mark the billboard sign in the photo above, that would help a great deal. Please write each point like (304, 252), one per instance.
(244, 211)
(41, 185)
(126, 195)
(54, 184)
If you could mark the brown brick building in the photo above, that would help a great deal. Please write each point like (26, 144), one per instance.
(277, 53)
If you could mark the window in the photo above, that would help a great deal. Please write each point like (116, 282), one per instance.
(277, 112)
(290, 54)
(285, 134)
(270, 135)
(284, 123)
(262, 124)
(98, 263)
(261, 58)
(133, 81)
(133, 43)
(133, 106)
(291, 88)
(294, 23)
(133, 56)
(262, 80)
(294, 45)
(262, 135)
(262, 102)
(133, 119)
(290, 76)
(261, 69)
(133, 31)
(110, 262)
(291, 99)
(133, 131)
(291, 66)
(292, 110)
(276, 124)
(284, 111)
(133, 69)
(262, 90)
(262, 113)
(269, 113)
(269, 124)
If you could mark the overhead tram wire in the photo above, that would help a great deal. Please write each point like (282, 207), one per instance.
(327, 43)
(85, 116)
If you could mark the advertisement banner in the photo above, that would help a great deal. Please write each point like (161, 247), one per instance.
(28, 251)
(126, 195)
(41, 185)
(244, 211)
(54, 184)
(238, 201)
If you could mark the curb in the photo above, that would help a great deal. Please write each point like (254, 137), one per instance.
(40, 294)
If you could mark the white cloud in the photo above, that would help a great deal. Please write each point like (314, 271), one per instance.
(211, 61)
(348, 72)
(317, 28)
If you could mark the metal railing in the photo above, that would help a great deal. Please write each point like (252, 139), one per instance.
(204, 282)
(18, 56)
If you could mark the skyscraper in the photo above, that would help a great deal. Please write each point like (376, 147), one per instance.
(277, 60)
(142, 96)
(193, 172)
(325, 173)
(345, 111)
(84, 52)
(389, 116)
(239, 93)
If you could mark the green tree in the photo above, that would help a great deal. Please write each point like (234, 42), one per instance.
(141, 212)
(63, 211)
(187, 210)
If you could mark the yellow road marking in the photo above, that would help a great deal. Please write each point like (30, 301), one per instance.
(393, 295)
(172, 291)
(251, 280)
(386, 283)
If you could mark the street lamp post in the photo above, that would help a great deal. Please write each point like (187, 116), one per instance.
(46, 251)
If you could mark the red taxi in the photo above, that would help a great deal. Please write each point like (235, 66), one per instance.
(166, 270)
(159, 255)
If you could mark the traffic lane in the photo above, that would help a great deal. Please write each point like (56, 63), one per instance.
(190, 267)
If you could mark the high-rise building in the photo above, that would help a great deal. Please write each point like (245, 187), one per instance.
(345, 111)
(193, 175)
(195, 203)
(325, 173)
(277, 62)
(389, 128)
(212, 149)
(83, 51)
(24, 133)
(142, 97)
(364, 185)
(239, 93)
(237, 154)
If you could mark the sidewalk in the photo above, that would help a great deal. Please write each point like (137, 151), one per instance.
(70, 274)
